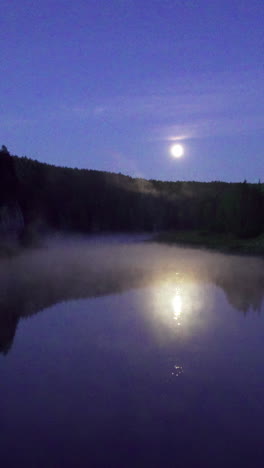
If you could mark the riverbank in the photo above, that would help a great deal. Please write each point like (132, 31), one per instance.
(221, 242)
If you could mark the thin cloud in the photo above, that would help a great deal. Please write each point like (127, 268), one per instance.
(150, 107)
(201, 128)
(197, 108)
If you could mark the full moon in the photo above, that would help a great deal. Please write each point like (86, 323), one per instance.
(177, 151)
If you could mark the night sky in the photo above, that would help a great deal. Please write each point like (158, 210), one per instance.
(110, 84)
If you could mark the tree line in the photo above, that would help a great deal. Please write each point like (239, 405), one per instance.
(88, 201)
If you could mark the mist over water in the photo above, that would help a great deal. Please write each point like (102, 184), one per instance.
(141, 351)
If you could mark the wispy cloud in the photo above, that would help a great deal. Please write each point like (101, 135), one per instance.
(207, 106)
(193, 107)
(152, 107)
(206, 127)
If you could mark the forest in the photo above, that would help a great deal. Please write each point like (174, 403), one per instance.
(89, 201)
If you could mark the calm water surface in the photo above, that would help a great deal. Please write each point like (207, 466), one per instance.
(131, 355)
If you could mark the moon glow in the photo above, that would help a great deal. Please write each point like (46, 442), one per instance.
(177, 151)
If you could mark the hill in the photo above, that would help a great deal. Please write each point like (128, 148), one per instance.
(86, 201)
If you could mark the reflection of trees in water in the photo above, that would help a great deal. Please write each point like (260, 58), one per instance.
(242, 296)
(41, 279)
(29, 289)
(244, 289)
(8, 325)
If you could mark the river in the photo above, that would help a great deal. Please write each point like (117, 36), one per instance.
(122, 353)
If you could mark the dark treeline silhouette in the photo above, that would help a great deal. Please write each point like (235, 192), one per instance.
(11, 216)
(87, 200)
(91, 201)
(9, 186)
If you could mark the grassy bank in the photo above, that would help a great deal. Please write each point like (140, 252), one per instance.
(221, 242)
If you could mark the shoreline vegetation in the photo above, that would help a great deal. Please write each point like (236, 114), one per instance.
(38, 198)
(226, 243)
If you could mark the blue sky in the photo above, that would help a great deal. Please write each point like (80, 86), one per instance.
(111, 84)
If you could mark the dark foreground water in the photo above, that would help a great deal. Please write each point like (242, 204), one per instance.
(131, 355)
